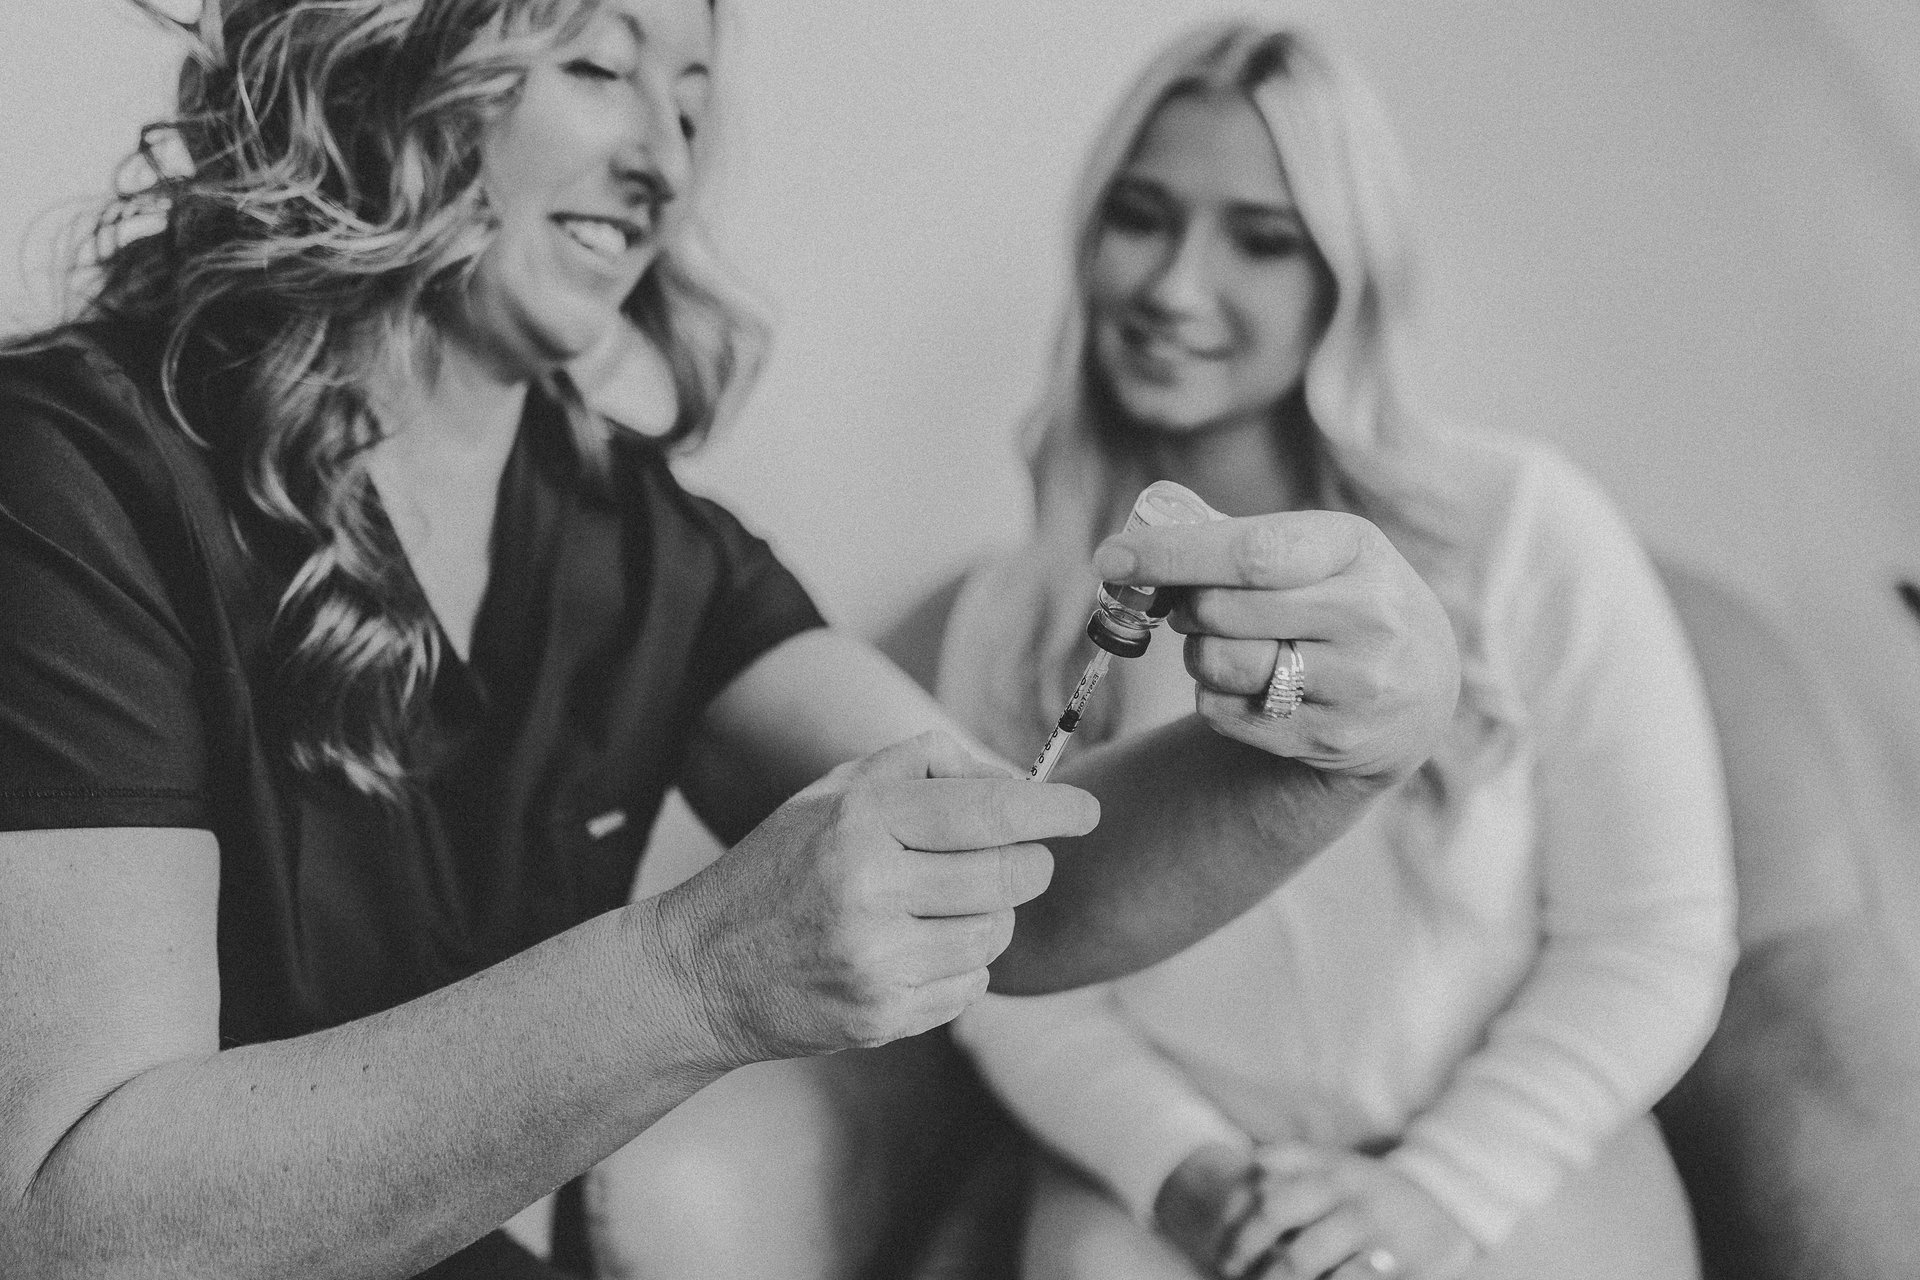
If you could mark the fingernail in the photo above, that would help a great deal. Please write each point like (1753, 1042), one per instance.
(1114, 562)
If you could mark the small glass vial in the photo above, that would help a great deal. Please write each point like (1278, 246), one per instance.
(1124, 617)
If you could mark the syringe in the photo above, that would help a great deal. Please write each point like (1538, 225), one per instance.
(1070, 718)
(1124, 617)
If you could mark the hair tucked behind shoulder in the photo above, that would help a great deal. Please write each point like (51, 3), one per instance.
(315, 200)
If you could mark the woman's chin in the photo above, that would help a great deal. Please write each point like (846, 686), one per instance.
(1185, 409)
(1168, 415)
(567, 328)
(528, 342)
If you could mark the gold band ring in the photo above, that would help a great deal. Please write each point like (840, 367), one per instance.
(1381, 1262)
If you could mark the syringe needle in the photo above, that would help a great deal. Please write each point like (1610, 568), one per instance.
(1070, 718)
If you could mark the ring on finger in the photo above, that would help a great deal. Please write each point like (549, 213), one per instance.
(1381, 1262)
(1288, 686)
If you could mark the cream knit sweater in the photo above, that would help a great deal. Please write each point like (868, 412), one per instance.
(1492, 1009)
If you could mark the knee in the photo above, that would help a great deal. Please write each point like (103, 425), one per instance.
(727, 1186)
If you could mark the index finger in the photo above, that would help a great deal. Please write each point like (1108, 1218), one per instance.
(1274, 552)
(933, 754)
(948, 815)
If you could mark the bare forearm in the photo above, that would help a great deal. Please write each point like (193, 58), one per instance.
(1195, 829)
(375, 1148)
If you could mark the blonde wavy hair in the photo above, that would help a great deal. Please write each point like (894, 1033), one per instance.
(313, 203)
(1365, 449)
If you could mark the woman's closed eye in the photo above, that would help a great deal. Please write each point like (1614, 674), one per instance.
(588, 69)
(1265, 235)
(1136, 213)
(1271, 244)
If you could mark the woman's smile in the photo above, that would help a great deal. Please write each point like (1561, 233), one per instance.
(601, 237)
(1160, 354)
(607, 239)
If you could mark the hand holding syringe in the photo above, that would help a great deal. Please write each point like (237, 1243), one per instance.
(1124, 617)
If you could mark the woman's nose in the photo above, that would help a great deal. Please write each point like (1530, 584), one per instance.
(1182, 284)
(656, 156)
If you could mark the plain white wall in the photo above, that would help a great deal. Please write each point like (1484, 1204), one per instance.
(1679, 238)
(77, 78)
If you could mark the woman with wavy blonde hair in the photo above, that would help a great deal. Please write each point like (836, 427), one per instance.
(306, 273)
(352, 638)
(1396, 1063)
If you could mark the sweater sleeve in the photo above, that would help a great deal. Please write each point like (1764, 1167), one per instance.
(1636, 870)
(1088, 1086)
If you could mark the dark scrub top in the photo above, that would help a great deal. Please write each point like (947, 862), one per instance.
(136, 593)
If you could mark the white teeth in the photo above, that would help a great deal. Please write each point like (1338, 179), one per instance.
(603, 238)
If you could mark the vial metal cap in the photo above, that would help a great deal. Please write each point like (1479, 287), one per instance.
(1124, 616)
(1117, 638)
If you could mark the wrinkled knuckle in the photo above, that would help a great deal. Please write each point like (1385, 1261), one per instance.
(840, 777)
(1258, 552)
(1376, 613)
(996, 931)
(936, 745)
(847, 814)
(1254, 664)
(1002, 812)
(1008, 876)
(840, 881)
(869, 1027)
(1215, 707)
(1238, 666)
(839, 962)
(870, 1000)
(977, 938)
(874, 884)
(1368, 685)
(1364, 534)
(878, 961)
(1204, 661)
(1190, 655)
(956, 995)
(1200, 610)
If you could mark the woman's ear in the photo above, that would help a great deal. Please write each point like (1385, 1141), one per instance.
(628, 379)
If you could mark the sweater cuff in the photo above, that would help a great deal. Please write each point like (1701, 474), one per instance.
(1486, 1207)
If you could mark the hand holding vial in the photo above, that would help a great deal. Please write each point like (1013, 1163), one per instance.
(1379, 669)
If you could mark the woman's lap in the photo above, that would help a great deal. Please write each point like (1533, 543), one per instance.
(1624, 1218)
